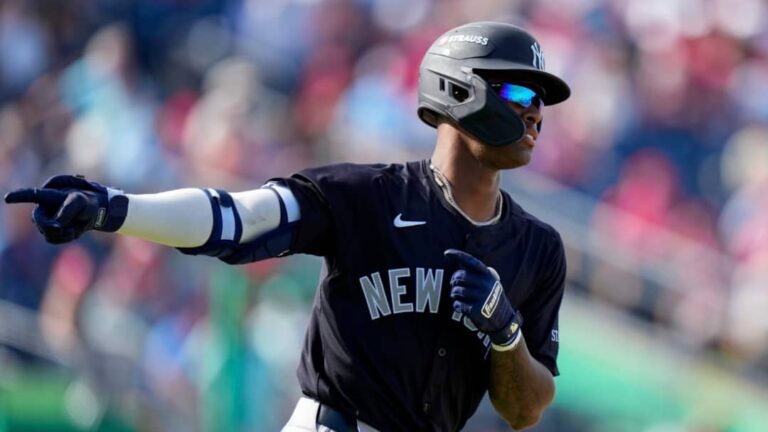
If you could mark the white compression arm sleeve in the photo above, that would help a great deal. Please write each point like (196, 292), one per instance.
(183, 218)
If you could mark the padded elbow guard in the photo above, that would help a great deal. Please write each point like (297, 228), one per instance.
(224, 241)
(227, 227)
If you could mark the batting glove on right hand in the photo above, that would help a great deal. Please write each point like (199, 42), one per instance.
(477, 293)
(67, 206)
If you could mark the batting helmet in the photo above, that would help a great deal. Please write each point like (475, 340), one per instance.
(453, 73)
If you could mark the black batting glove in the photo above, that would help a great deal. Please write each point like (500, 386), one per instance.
(67, 206)
(477, 293)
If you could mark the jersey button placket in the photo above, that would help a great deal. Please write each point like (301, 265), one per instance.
(437, 376)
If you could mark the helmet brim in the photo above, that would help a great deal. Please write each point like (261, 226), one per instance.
(555, 89)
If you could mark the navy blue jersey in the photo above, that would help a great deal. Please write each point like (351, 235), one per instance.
(383, 341)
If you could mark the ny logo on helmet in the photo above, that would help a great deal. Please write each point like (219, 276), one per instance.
(538, 56)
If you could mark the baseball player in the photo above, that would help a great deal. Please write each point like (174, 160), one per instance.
(436, 286)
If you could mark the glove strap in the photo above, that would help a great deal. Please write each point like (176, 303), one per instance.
(512, 345)
(112, 213)
(509, 336)
(118, 210)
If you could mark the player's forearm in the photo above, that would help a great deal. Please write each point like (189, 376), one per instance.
(178, 218)
(520, 387)
(184, 217)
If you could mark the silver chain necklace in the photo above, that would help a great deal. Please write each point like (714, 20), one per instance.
(445, 185)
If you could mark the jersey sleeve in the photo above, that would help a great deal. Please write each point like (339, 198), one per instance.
(314, 233)
(333, 200)
(326, 198)
(541, 310)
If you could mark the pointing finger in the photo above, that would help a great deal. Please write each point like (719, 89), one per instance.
(465, 260)
(20, 196)
(45, 197)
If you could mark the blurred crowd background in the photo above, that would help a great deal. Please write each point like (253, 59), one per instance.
(656, 172)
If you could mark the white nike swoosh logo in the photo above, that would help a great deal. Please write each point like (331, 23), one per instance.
(400, 223)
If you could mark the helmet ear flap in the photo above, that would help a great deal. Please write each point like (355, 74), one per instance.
(476, 109)
(484, 111)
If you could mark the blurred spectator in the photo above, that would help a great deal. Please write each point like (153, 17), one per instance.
(744, 229)
(23, 47)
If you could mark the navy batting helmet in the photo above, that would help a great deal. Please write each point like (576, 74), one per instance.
(453, 73)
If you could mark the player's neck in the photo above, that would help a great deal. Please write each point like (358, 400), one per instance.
(471, 208)
(475, 188)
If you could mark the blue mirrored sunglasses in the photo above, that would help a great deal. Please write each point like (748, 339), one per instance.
(517, 94)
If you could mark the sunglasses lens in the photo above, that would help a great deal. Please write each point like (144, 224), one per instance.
(518, 94)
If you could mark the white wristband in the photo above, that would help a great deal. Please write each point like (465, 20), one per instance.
(510, 346)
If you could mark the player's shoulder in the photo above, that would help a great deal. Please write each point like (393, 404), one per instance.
(536, 226)
(354, 174)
